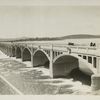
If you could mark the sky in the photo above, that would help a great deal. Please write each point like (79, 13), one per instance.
(33, 18)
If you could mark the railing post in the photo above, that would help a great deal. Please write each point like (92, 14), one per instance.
(86, 57)
(51, 61)
(81, 55)
(87, 49)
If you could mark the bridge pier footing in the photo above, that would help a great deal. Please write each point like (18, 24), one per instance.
(51, 62)
(95, 82)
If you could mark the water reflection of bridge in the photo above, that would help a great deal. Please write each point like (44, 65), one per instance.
(60, 59)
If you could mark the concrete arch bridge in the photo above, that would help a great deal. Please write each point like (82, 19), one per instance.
(60, 59)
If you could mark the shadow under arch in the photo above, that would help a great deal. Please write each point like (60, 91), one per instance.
(26, 55)
(18, 52)
(64, 64)
(40, 58)
(69, 65)
(13, 51)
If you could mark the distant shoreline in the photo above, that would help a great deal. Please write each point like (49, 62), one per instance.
(78, 36)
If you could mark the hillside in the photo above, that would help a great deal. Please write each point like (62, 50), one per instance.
(78, 36)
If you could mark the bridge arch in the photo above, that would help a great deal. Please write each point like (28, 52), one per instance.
(41, 58)
(13, 51)
(26, 54)
(65, 63)
(18, 52)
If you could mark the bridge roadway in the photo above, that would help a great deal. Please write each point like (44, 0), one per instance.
(60, 58)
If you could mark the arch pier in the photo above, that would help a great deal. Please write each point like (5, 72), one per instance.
(40, 58)
(18, 52)
(26, 55)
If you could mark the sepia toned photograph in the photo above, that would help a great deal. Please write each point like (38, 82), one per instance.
(50, 47)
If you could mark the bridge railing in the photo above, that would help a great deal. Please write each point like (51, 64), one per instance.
(54, 45)
(58, 45)
(62, 47)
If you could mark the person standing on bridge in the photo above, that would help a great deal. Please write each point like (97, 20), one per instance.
(69, 50)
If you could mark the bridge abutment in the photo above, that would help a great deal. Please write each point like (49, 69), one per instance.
(95, 82)
(95, 79)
